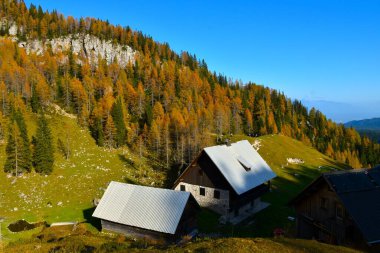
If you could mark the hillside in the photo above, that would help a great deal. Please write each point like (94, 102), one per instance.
(131, 90)
(68, 193)
(367, 127)
(80, 241)
(132, 110)
(373, 135)
(275, 149)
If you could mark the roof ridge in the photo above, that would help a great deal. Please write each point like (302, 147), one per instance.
(150, 187)
(340, 172)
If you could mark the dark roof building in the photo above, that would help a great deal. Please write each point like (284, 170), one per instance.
(229, 179)
(341, 207)
(146, 211)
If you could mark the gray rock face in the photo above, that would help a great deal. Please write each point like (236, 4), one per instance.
(84, 45)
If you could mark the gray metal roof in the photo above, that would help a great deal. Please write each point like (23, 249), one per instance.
(143, 207)
(231, 161)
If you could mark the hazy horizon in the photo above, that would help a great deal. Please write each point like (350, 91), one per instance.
(344, 112)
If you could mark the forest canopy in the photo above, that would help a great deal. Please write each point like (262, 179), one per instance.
(166, 104)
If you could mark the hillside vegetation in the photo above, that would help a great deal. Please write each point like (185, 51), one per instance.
(367, 127)
(68, 193)
(142, 123)
(162, 104)
(79, 241)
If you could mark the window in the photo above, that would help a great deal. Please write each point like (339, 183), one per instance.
(216, 194)
(200, 172)
(324, 203)
(339, 211)
(202, 191)
(183, 187)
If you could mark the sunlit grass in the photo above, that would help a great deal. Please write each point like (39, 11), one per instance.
(74, 184)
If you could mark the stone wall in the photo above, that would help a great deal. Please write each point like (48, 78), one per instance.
(220, 205)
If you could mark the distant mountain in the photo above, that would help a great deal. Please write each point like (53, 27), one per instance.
(343, 112)
(367, 127)
(367, 124)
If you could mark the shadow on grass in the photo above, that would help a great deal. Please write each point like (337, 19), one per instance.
(208, 221)
(95, 222)
(337, 165)
(130, 181)
(127, 161)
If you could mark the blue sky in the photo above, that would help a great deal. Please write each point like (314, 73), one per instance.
(320, 51)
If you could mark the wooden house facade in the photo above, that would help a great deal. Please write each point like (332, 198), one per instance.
(228, 179)
(341, 208)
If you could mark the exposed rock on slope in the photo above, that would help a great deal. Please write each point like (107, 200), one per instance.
(89, 46)
(81, 44)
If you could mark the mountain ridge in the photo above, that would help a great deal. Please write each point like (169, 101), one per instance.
(365, 124)
(367, 127)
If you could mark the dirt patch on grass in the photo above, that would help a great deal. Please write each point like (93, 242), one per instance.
(23, 225)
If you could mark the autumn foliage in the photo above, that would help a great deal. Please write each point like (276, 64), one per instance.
(166, 105)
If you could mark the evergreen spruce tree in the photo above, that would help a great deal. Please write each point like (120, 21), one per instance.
(118, 120)
(35, 102)
(100, 133)
(43, 156)
(24, 151)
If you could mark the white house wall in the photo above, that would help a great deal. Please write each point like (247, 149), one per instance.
(220, 205)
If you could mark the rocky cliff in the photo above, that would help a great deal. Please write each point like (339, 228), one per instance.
(84, 45)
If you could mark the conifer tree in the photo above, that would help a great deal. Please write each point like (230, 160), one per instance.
(25, 151)
(118, 120)
(15, 161)
(43, 156)
(35, 102)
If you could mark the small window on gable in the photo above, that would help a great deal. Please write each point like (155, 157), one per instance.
(200, 172)
(216, 194)
(324, 203)
(183, 187)
(202, 191)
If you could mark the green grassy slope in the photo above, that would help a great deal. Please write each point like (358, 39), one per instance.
(67, 194)
(81, 241)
